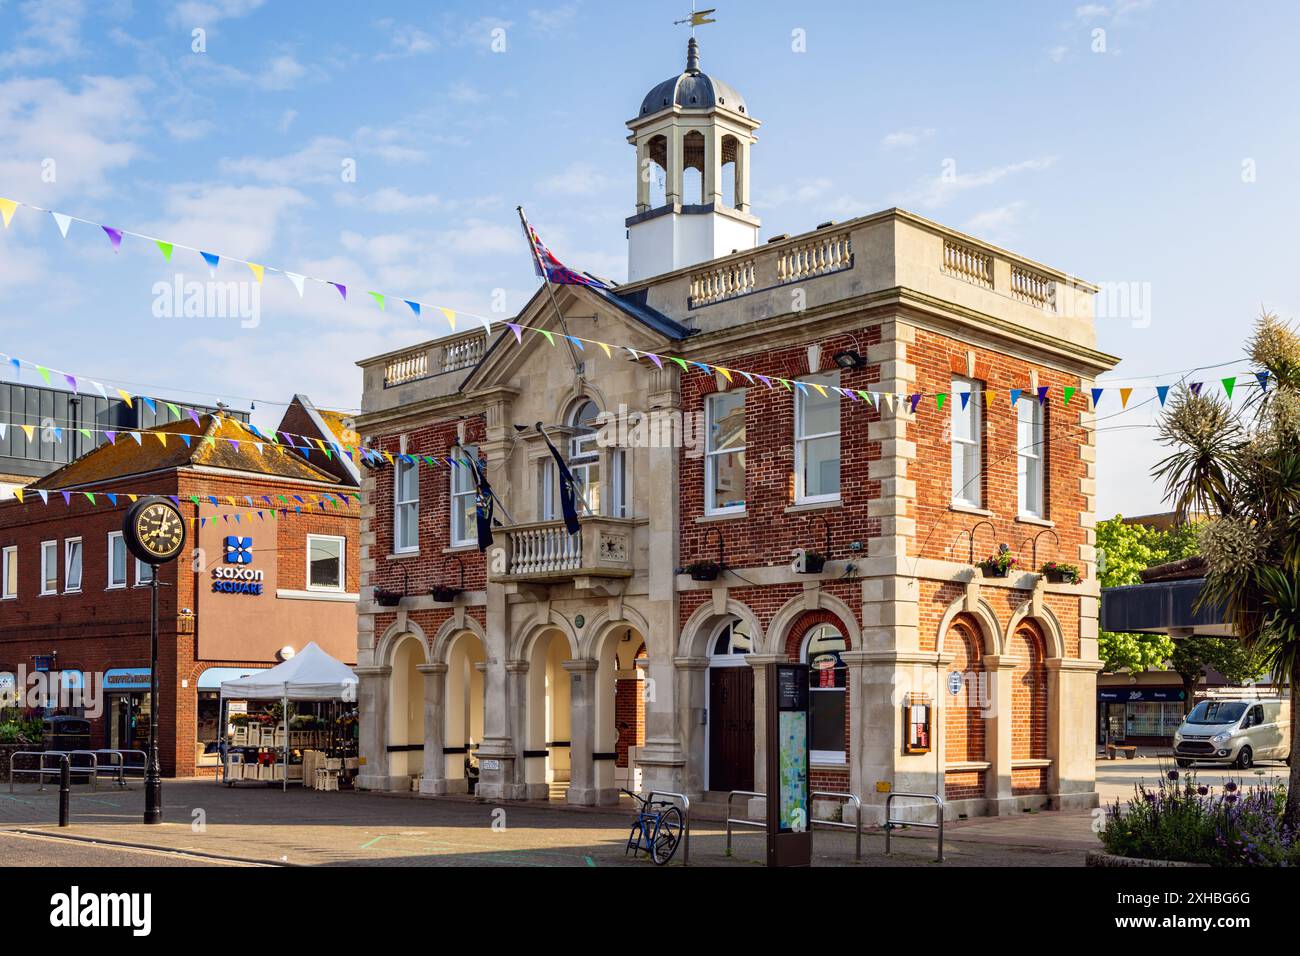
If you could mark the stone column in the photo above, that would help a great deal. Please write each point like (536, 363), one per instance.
(712, 179)
(517, 715)
(1071, 698)
(496, 753)
(692, 693)
(372, 710)
(998, 734)
(760, 663)
(433, 778)
(643, 175)
(857, 665)
(582, 730)
(673, 172)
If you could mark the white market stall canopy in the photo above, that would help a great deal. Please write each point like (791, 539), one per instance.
(311, 674)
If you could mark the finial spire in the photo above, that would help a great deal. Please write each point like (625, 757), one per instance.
(692, 56)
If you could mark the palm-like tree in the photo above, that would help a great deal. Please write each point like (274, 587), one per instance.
(1243, 481)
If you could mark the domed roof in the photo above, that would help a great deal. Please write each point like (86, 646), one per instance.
(692, 90)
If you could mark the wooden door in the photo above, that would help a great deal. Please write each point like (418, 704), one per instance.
(731, 728)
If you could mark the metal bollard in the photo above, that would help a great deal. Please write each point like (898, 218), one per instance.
(65, 790)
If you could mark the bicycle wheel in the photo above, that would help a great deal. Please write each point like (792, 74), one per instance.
(666, 836)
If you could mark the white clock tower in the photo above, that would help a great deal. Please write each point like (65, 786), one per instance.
(692, 139)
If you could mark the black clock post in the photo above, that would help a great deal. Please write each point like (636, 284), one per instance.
(155, 533)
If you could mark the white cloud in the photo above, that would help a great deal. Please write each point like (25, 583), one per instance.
(320, 161)
(286, 120)
(186, 130)
(241, 221)
(578, 179)
(53, 34)
(941, 189)
(553, 19)
(1057, 53)
(283, 72)
(999, 225)
(87, 132)
(802, 191)
(906, 137)
(207, 13)
(1091, 11)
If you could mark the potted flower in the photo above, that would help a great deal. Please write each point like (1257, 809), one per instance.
(387, 598)
(1059, 573)
(813, 561)
(997, 565)
(444, 593)
(703, 570)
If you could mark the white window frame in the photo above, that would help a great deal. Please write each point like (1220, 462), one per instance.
(8, 565)
(49, 555)
(343, 563)
(466, 457)
(618, 483)
(827, 380)
(68, 587)
(112, 585)
(584, 456)
(1031, 461)
(712, 454)
(971, 494)
(826, 757)
(140, 580)
(399, 503)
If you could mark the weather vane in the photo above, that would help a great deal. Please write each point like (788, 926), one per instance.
(697, 18)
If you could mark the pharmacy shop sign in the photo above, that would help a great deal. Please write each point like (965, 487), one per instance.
(235, 574)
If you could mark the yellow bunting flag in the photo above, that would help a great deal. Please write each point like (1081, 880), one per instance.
(726, 373)
(257, 271)
(133, 498)
(30, 430)
(126, 396)
(451, 317)
(162, 437)
(7, 207)
(820, 388)
(605, 347)
(1124, 393)
(18, 493)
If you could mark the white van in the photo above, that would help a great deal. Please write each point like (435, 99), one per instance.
(1238, 732)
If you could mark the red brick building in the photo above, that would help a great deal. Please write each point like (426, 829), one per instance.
(76, 603)
(899, 398)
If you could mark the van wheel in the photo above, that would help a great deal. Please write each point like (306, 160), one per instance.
(1182, 762)
(1245, 759)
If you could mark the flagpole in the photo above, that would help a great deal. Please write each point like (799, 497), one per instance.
(546, 278)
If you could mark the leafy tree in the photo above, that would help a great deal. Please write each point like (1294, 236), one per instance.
(1243, 479)
(1129, 550)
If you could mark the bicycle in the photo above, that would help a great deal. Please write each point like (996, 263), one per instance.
(657, 829)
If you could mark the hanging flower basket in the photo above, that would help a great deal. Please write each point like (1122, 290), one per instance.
(703, 570)
(444, 593)
(997, 565)
(386, 598)
(813, 562)
(1059, 573)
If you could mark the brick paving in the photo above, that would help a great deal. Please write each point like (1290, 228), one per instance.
(259, 824)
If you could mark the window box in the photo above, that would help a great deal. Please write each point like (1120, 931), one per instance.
(444, 593)
(703, 570)
(386, 598)
(997, 565)
(1061, 573)
(813, 562)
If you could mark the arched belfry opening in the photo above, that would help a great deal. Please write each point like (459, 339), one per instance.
(693, 134)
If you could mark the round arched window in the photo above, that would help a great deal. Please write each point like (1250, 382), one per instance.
(734, 638)
(827, 680)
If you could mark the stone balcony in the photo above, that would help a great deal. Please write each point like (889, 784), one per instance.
(427, 370)
(543, 553)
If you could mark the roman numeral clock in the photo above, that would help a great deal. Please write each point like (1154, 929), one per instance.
(154, 530)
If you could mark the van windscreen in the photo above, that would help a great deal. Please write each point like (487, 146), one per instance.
(1217, 712)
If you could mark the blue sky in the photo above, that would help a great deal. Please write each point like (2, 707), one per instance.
(1157, 156)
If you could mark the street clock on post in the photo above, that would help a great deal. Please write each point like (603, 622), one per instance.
(154, 530)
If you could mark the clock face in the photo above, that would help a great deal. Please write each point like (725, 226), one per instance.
(156, 531)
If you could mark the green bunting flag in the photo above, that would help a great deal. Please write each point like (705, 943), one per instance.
(1229, 384)
(939, 400)
(165, 248)
(1069, 394)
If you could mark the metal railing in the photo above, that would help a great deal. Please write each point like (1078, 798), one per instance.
(857, 817)
(686, 820)
(741, 822)
(64, 770)
(813, 822)
(890, 822)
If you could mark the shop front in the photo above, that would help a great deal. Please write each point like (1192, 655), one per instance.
(1139, 715)
(126, 708)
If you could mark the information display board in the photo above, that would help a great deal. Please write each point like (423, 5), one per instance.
(789, 808)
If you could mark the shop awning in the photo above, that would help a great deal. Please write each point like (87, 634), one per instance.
(1161, 607)
(311, 674)
(214, 677)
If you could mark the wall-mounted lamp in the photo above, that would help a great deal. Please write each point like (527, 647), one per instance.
(849, 359)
